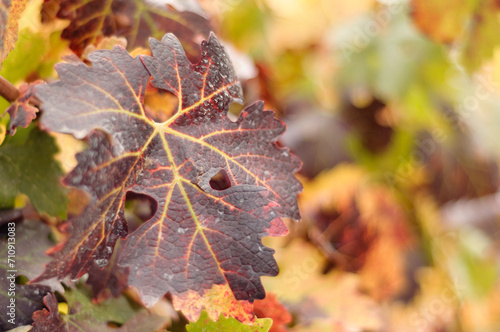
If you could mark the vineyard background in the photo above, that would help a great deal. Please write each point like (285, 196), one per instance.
(393, 108)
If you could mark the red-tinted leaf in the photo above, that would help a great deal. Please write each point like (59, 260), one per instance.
(272, 308)
(200, 237)
(21, 111)
(48, 320)
(109, 281)
(137, 20)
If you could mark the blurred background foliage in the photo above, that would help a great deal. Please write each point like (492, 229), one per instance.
(394, 109)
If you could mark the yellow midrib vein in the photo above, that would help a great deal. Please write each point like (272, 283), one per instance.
(199, 228)
(222, 153)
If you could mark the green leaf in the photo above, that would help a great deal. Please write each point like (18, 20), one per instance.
(20, 62)
(390, 63)
(27, 166)
(228, 325)
(83, 314)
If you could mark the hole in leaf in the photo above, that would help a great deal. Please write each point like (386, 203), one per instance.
(113, 324)
(220, 181)
(139, 208)
(52, 237)
(160, 105)
(21, 280)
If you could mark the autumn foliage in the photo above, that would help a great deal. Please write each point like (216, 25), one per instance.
(235, 165)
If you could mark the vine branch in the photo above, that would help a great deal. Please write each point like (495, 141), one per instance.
(8, 91)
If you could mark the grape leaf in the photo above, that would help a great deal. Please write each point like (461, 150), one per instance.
(21, 111)
(228, 325)
(48, 320)
(10, 12)
(82, 315)
(109, 281)
(219, 299)
(27, 166)
(206, 234)
(134, 19)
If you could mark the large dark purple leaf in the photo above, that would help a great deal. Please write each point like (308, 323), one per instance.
(220, 186)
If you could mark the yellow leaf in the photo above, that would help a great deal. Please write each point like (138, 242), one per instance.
(10, 12)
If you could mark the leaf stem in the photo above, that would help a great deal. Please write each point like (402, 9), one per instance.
(8, 91)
